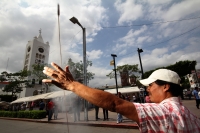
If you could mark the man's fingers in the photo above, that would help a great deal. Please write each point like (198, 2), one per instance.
(57, 84)
(52, 82)
(58, 68)
(50, 72)
(47, 69)
(67, 69)
(47, 80)
(47, 72)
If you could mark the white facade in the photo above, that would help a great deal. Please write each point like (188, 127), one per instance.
(37, 52)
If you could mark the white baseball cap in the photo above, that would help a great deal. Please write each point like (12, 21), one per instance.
(162, 74)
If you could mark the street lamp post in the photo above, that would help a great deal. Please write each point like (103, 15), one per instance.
(140, 51)
(114, 55)
(75, 21)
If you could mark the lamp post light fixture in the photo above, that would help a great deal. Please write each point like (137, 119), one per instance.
(114, 55)
(140, 51)
(75, 21)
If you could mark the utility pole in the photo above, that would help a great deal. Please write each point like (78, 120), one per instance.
(114, 55)
(140, 51)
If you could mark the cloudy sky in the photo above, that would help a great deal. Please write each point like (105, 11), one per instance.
(168, 31)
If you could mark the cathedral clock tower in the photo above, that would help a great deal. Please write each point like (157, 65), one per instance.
(37, 52)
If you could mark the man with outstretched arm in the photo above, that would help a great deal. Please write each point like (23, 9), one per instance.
(166, 113)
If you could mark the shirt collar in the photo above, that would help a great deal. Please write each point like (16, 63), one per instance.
(172, 99)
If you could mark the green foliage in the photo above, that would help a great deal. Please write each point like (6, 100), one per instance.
(5, 113)
(77, 69)
(21, 114)
(16, 81)
(14, 85)
(182, 68)
(38, 71)
(34, 114)
(14, 114)
(131, 69)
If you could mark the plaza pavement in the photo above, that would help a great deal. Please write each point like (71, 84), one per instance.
(68, 118)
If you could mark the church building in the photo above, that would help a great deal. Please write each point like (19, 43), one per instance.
(37, 52)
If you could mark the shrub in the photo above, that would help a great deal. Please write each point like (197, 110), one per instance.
(33, 114)
(20, 114)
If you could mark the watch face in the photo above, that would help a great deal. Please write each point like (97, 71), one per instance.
(41, 50)
(29, 48)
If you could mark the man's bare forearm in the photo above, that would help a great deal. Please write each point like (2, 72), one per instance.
(94, 96)
(104, 100)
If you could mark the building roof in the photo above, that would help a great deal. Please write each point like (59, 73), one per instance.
(4, 83)
(39, 38)
(124, 90)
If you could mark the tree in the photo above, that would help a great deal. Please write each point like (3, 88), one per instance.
(16, 81)
(182, 68)
(126, 72)
(77, 70)
(37, 72)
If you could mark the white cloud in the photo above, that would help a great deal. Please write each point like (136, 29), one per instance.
(100, 78)
(181, 10)
(94, 54)
(123, 52)
(129, 11)
(20, 21)
(142, 39)
(158, 2)
(130, 38)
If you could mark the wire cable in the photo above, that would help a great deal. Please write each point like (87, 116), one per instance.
(170, 21)
(164, 41)
(174, 37)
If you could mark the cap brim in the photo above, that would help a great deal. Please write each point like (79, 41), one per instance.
(146, 82)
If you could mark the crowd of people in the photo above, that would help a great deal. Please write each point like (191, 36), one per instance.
(160, 110)
(52, 107)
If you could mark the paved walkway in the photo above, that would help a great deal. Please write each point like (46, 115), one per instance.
(64, 118)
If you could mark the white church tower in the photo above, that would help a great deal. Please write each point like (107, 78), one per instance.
(37, 52)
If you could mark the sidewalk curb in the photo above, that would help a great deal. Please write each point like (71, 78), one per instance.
(113, 125)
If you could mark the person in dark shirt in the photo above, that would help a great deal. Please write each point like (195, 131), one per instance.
(41, 105)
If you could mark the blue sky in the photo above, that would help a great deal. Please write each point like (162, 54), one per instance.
(168, 31)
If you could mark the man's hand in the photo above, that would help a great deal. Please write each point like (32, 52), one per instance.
(61, 78)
